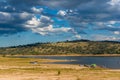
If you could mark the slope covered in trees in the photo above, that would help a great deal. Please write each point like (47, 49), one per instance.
(68, 47)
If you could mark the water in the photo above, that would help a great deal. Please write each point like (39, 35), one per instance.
(109, 62)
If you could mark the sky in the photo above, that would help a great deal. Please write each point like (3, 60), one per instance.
(31, 21)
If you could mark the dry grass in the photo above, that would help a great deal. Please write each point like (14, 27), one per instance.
(21, 69)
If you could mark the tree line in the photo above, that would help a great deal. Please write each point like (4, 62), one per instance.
(67, 47)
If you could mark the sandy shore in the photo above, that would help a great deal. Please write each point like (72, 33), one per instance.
(41, 72)
(22, 69)
(73, 55)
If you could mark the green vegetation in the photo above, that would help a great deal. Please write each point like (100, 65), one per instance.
(68, 47)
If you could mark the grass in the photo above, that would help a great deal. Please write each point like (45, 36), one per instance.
(59, 72)
(21, 67)
(78, 78)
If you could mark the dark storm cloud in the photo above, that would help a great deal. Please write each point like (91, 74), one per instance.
(50, 3)
(10, 29)
(109, 28)
(66, 4)
(11, 23)
(83, 13)
(23, 5)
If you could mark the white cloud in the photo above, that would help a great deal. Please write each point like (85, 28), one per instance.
(104, 37)
(77, 36)
(5, 14)
(116, 32)
(114, 2)
(45, 19)
(24, 15)
(74, 37)
(39, 22)
(50, 30)
(61, 13)
(44, 26)
(14, 9)
(108, 23)
(71, 11)
(34, 22)
(37, 10)
(5, 7)
(5, 17)
(112, 22)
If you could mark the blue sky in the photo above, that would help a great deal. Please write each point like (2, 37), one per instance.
(30, 21)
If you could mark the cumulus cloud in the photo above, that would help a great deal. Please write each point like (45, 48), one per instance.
(39, 16)
(24, 15)
(37, 10)
(110, 25)
(5, 17)
(117, 32)
(77, 36)
(44, 26)
(42, 22)
(49, 30)
(104, 37)
(11, 23)
(34, 22)
(114, 2)
(61, 13)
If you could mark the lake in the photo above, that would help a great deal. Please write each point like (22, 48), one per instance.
(108, 62)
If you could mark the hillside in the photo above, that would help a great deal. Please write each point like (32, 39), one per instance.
(68, 47)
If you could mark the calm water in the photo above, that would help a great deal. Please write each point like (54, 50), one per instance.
(109, 62)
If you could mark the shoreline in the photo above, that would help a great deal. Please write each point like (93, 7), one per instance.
(91, 55)
(22, 69)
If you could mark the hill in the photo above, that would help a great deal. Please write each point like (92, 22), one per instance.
(67, 47)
